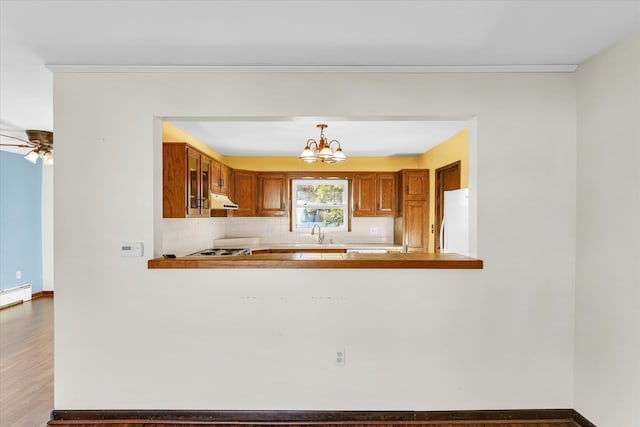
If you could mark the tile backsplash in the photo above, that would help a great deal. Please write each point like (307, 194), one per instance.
(189, 235)
(184, 236)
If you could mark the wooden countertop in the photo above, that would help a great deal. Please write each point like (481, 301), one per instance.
(322, 260)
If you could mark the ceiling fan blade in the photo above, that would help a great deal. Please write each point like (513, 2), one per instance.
(17, 145)
(30, 144)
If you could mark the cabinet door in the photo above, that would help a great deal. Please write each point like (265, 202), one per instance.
(215, 176)
(224, 180)
(205, 184)
(416, 225)
(386, 194)
(174, 175)
(416, 184)
(272, 194)
(193, 183)
(244, 193)
(364, 194)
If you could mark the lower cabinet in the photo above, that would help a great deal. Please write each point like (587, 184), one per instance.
(416, 226)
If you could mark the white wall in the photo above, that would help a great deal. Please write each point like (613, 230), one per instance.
(501, 337)
(608, 237)
(47, 227)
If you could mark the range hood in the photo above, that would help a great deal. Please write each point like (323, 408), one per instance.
(219, 201)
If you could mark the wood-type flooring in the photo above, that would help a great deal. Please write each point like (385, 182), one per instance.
(26, 363)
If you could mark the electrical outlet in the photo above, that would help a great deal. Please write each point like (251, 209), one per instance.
(18, 274)
(340, 356)
(373, 230)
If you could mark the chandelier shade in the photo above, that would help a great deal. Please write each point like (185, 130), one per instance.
(321, 150)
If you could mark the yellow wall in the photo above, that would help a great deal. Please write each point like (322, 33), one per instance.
(170, 133)
(293, 163)
(454, 149)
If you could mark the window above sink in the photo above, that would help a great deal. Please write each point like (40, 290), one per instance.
(319, 202)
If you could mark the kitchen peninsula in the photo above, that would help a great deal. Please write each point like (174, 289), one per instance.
(323, 260)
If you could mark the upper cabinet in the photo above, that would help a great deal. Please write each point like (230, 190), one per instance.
(374, 194)
(244, 190)
(220, 176)
(272, 194)
(386, 194)
(186, 181)
(415, 184)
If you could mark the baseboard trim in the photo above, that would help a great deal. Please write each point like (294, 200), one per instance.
(41, 294)
(289, 418)
(581, 421)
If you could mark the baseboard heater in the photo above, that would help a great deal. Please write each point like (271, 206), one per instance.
(15, 295)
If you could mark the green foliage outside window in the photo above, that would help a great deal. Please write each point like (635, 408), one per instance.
(315, 201)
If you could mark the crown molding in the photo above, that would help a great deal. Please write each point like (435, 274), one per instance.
(420, 69)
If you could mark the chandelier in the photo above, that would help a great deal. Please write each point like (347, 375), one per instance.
(321, 150)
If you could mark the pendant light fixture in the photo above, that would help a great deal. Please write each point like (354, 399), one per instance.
(321, 150)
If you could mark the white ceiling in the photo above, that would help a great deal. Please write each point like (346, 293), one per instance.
(531, 34)
(284, 137)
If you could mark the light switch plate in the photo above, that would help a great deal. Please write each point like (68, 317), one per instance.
(131, 249)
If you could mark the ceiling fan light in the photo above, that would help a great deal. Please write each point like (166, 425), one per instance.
(32, 156)
(48, 158)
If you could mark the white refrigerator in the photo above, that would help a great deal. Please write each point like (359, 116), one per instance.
(454, 232)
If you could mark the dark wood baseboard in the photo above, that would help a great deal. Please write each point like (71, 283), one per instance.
(582, 421)
(560, 417)
(40, 294)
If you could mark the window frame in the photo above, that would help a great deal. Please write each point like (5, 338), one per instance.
(319, 180)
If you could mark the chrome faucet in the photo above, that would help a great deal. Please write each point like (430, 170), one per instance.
(320, 233)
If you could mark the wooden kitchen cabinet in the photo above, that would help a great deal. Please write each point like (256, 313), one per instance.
(186, 181)
(364, 194)
(272, 194)
(374, 194)
(220, 175)
(411, 227)
(245, 194)
(415, 184)
(416, 226)
(386, 194)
